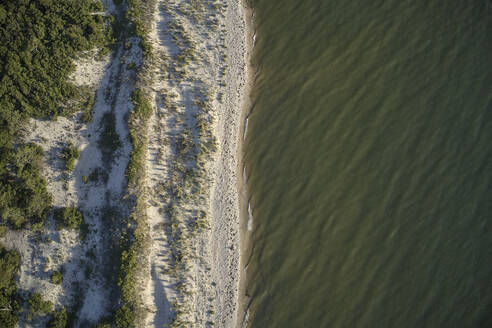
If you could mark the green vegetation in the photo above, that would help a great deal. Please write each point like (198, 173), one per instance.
(124, 317)
(70, 154)
(36, 63)
(69, 217)
(140, 115)
(94, 176)
(87, 113)
(142, 109)
(57, 278)
(38, 306)
(23, 193)
(103, 325)
(138, 28)
(133, 240)
(59, 320)
(9, 264)
(3, 230)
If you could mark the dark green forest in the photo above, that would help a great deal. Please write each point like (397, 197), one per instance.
(39, 39)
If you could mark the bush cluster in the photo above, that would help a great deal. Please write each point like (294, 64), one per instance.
(138, 28)
(59, 319)
(36, 63)
(23, 193)
(69, 217)
(9, 264)
(70, 154)
(86, 116)
(38, 306)
(57, 278)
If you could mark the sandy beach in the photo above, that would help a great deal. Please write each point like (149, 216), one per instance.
(195, 273)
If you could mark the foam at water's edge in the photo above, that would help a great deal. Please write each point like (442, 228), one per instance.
(250, 218)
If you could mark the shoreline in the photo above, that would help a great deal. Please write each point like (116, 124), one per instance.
(245, 222)
(239, 226)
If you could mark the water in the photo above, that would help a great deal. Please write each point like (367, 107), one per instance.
(369, 157)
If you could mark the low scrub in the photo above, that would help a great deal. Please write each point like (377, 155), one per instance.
(38, 306)
(9, 264)
(70, 154)
(59, 319)
(140, 115)
(69, 217)
(57, 278)
(23, 193)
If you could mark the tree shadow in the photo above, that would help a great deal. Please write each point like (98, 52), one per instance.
(161, 302)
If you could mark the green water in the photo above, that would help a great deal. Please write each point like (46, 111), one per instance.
(369, 156)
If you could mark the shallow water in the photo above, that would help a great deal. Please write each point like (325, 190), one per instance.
(369, 157)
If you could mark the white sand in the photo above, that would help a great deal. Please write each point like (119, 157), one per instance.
(212, 277)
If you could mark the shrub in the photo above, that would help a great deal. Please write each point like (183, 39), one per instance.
(124, 317)
(69, 217)
(135, 164)
(38, 306)
(127, 269)
(87, 113)
(103, 325)
(70, 154)
(59, 320)
(9, 264)
(94, 176)
(57, 278)
(3, 230)
(19, 176)
(142, 109)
